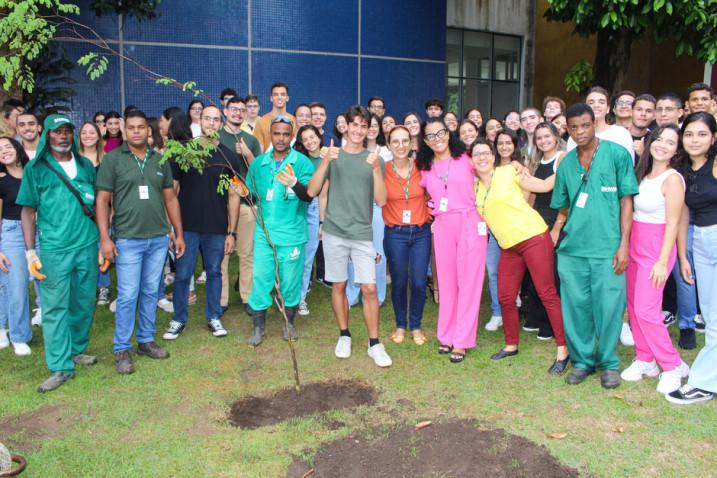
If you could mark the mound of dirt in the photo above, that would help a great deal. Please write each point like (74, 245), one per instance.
(254, 412)
(455, 448)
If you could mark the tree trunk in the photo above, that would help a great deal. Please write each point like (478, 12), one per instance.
(612, 58)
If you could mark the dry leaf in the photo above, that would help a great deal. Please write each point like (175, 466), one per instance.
(423, 424)
(557, 435)
(619, 429)
(309, 473)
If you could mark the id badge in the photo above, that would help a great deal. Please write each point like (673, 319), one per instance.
(482, 229)
(270, 195)
(443, 206)
(144, 192)
(407, 216)
(582, 199)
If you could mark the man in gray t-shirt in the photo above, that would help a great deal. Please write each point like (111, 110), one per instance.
(355, 180)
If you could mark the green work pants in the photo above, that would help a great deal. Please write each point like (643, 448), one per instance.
(68, 304)
(291, 270)
(593, 302)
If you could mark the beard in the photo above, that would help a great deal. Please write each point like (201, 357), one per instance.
(61, 149)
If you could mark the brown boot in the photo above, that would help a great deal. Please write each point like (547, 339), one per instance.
(123, 362)
(152, 350)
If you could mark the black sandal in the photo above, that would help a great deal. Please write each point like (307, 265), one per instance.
(445, 349)
(457, 357)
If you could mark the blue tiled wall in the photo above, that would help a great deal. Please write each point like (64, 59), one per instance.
(313, 45)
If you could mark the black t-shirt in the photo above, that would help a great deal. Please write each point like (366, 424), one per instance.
(542, 200)
(637, 138)
(701, 195)
(203, 209)
(9, 187)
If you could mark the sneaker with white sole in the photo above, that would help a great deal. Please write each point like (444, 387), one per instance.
(217, 328)
(379, 355)
(113, 306)
(4, 341)
(165, 305)
(36, 317)
(699, 324)
(639, 369)
(668, 318)
(303, 308)
(494, 323)
(174, 330)
(672, 380)
(202, 279)
(103, 297)
(626, 335)
(21, 348)
(687, 395)
(343, 347)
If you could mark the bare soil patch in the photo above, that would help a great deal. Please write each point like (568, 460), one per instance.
(253, 412)
(26, 432)
(455, 448)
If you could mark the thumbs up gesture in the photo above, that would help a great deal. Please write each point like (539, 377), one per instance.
(374, 160)
(331, 152)
(242, 148)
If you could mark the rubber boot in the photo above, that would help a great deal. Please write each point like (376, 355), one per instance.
(290, 332)
(259, 318)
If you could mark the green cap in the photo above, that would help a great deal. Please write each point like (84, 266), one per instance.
(53, 122)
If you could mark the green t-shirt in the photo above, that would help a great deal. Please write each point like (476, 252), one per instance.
(230, 141)
(61, 223)
(285, 214)
(349, 212)
(593, 226)
(130, 179)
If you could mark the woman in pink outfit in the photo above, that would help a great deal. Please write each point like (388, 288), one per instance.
(652, 255)
(459, 235)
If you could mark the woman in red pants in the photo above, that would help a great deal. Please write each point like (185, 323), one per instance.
(525, 242)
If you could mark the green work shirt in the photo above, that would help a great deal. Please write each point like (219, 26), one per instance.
(136, 186)
(61, 223)
(349, 212)
(230, 141)
(593, 230)
(283, 213)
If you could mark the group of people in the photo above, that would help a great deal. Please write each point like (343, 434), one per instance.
(604, 203)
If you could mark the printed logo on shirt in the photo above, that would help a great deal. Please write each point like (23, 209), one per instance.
(294, 254)
(608, 189)
(159, 173)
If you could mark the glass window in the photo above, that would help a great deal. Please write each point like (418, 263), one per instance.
(483, 71)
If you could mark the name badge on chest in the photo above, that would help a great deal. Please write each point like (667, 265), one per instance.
(582, 199)
(270, 195)
(443, 206)
(144, 192)
(482, 229)
(406, 216)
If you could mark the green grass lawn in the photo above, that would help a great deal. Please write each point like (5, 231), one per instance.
(169, 418)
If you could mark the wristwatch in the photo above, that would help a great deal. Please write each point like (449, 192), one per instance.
(232, 233)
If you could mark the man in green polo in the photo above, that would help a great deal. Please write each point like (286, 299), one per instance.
(58, 188)
(277, 180)
(594, 186)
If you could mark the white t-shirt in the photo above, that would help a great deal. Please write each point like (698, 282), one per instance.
(649, 203)
(70, 167)
(616, 134)
(196, 130)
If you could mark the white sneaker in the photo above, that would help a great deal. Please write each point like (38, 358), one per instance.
(165, 305)
(202, 279)
(37, 317)
(672, 380)
(343, 347)
(4, 342)
(113, 306)
(494, 323)
(379, 355)
(638, 369)
(303, 308)
(21, 348)
(518, 302)
(626, 335)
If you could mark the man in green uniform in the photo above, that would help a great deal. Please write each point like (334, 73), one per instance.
(277, 180)
(58, 186)
(593, 189)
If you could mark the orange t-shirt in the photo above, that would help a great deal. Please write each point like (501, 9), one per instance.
(396, 201)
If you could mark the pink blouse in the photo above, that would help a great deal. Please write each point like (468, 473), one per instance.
(454, 179)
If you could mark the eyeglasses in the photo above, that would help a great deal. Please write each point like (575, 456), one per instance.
(281, 119)
(482, 154)
(196, 108)
(623, 103)
(212, 119)
(234, 109)
(437, 135)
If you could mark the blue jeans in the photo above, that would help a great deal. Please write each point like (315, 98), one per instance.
(704, 373)
(213, 253)
(491, 265)
(14, 297)
(139, 266)
(312, 221)
(103, 278)
(686, 293)
(353, 290)
(408, 252)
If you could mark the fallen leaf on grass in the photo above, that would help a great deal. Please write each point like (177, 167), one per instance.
(309, 473)
(557, 435)
(424, 424)
(619, 429)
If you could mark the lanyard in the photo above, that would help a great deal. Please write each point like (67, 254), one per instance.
(143, 163)
(586, 176)
(398, 178)
(444, 177)
(476, 186)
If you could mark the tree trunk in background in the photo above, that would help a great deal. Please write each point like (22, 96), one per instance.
(612, 58)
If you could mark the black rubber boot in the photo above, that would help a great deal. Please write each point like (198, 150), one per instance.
(259, 318)
(290, 332)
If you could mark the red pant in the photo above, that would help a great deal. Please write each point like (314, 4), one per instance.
(538, 256)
